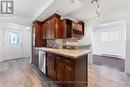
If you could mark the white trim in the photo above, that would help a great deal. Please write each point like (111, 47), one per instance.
(1, 60)
(110, 24)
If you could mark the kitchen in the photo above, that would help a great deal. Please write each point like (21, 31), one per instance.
(49, 43)
(56, 53)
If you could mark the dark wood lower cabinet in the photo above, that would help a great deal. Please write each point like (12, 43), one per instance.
(60, 70)
(35, 56)
(51, 71)
(69, 77)
(67, 72)
(81, 71)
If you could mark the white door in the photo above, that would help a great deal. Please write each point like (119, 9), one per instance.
(13, 44)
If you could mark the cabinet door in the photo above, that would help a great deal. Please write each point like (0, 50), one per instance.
(69, 73)
(35, 57)
(37, 41)
(43, 35)
(52, 28)
(47, 29)
(60, 70)
(58, 28)
(50, 31)
(51, 66)
(78, 29)
(66, 28)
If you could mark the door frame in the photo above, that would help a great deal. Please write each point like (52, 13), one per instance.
(4, 30)
(29, 32)
(121, 22)
(1, 45)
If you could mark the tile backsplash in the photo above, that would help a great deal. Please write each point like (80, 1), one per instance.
(55, 43)
(58, 43)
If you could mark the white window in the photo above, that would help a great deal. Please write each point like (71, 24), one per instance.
(114, 36)
(104, 36)
(110, 36)
(13, 38)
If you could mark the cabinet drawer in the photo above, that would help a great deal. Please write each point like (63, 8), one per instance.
(69, 62)
(50, 54)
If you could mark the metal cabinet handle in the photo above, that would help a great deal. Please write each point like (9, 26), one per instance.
(68, 68)
(58, 57)
(67, 61)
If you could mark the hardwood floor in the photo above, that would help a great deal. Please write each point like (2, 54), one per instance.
(19, 73)
(111, 62)
(100, 76)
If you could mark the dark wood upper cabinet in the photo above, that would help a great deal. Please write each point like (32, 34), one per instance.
(55, 28)
(43, 31)
(37, 41)
(52, 27)
(72, 29)
(58, 28)
(66, 28)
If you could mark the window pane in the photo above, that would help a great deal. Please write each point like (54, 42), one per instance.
(13, 38)
(114, 36)
(104, 36)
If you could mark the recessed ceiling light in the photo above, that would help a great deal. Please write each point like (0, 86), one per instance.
(71, 1)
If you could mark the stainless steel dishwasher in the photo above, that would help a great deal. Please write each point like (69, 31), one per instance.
(42, 61)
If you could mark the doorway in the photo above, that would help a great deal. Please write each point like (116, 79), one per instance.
(13, 44)
(109, 45)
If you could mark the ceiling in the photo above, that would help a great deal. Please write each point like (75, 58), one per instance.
(83, 9)
(61, 7)
(27, 11)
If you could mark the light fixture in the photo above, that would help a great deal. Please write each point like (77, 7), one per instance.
(97, 13)
(71, 1)
(95, 3)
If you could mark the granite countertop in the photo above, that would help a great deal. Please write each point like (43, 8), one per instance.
(74, 54)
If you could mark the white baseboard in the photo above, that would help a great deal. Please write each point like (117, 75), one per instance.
(1, 60)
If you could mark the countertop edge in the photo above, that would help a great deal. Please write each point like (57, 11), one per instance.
(76, 57)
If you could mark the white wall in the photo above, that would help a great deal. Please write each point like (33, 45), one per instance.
(87, 39)
(117, 47)
(0, 43)
(27, 43)
(26, 31)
